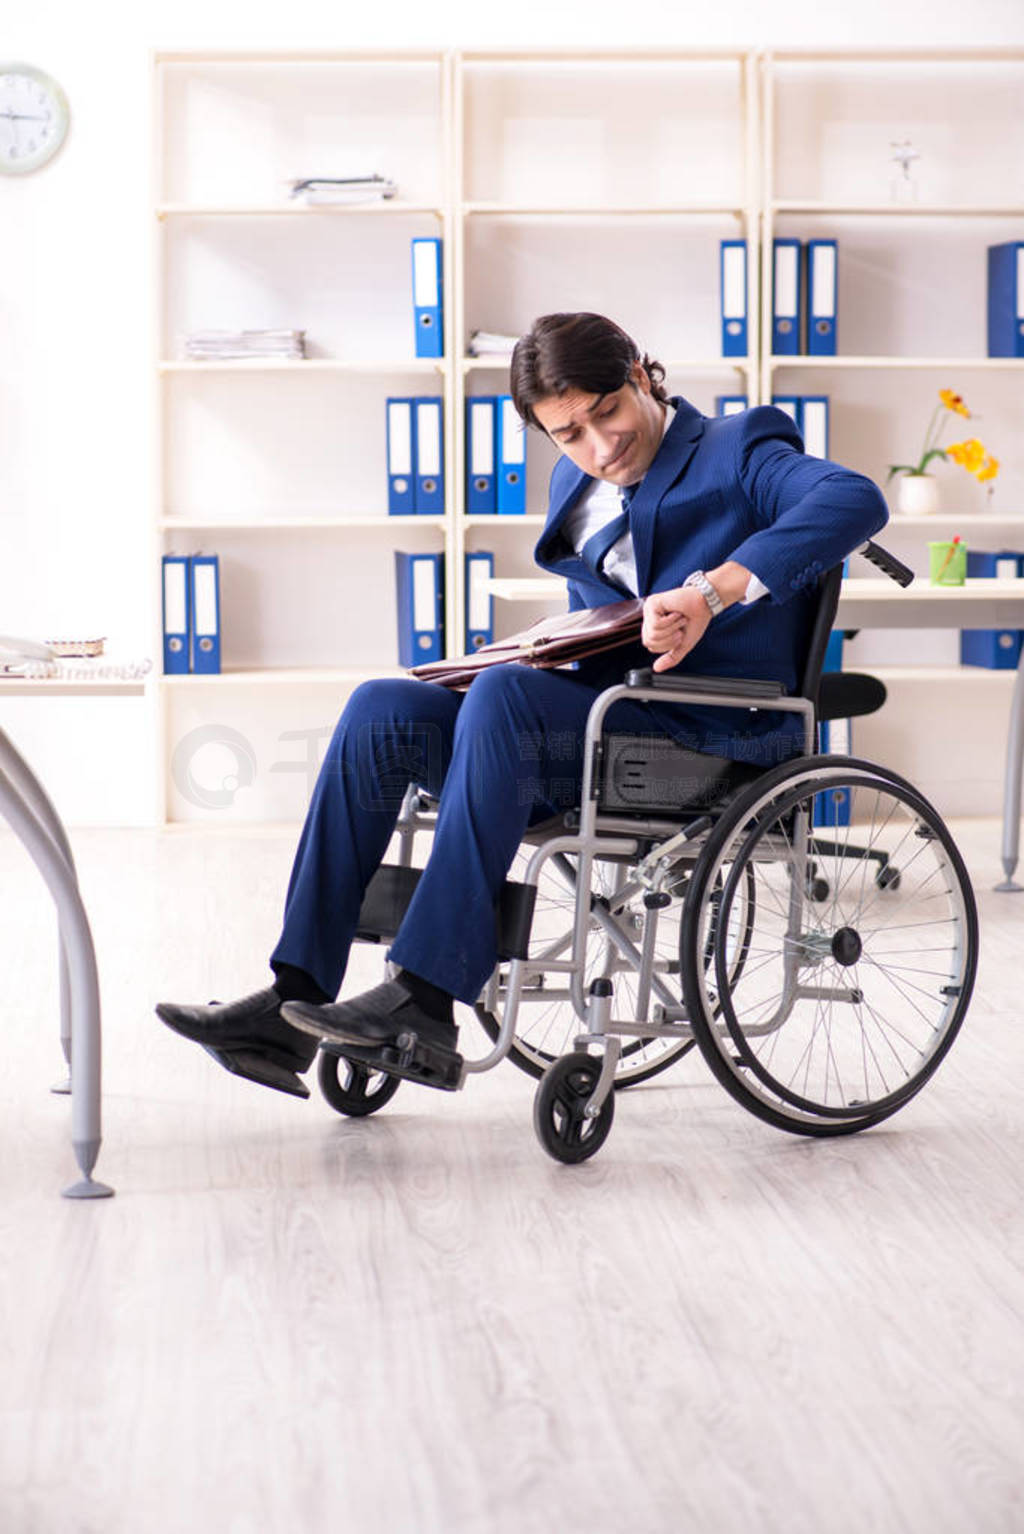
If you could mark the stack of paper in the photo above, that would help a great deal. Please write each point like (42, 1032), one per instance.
(487, 343)
(343, 189)
(212, 344)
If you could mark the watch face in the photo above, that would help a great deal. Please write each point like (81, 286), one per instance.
(33, 118)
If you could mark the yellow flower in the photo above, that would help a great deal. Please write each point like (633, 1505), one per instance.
(970, 455)
(989, 470)
(954, 402)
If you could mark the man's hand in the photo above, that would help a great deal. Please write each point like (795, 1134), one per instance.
(674, 621)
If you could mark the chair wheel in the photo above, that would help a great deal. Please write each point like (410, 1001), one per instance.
(558, 1117)
(354, 1089)
(888, 878)
(818, 889)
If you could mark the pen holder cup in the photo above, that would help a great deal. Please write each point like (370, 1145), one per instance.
(947, 563)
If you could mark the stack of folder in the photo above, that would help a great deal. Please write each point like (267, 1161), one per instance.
(994, 649)
(495, 456)
(1006, 299)
(343, 191)
(804, 293)
(202, 345)
(490, 343)
(811, 414)
(191, 614)
(419, 582)
(416, 456)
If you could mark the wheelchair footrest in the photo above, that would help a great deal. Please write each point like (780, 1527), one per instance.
(408, 1057)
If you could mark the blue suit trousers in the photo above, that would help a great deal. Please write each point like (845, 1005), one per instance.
(504, 754)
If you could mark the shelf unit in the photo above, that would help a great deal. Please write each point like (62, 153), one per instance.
(563, 198)
(278, 465)
(229, 246)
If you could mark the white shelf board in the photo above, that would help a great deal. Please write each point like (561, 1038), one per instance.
(296, 209)
(603, 210)
(306, 365)
(942, 674)
(69, 687)
(293, 524)
(531, 519)
(945, 363)
(908, 55)
(495, 364)
(526, 588)
(966, 520)
(287, 676)
(899, 210)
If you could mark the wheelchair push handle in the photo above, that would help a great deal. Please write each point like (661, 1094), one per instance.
(894, 568)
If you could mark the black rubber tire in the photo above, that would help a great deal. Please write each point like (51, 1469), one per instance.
(558, 1109)
(344, 1085)
(796, 1116)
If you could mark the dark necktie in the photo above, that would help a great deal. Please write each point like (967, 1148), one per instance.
(595, 550)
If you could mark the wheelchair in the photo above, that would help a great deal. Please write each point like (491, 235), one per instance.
(810, 929)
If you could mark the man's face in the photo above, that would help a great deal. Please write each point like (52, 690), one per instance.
(609, 436)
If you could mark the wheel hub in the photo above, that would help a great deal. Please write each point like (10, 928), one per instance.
(846, 946)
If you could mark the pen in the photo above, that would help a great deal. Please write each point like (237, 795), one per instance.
(940, 572)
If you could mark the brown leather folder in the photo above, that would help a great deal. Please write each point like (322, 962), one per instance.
(547, 643)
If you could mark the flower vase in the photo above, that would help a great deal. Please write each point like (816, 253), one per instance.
(918, 495)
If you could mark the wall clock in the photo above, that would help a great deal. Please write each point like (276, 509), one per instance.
(34, 118)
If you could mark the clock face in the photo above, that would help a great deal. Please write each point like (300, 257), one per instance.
(33, 118)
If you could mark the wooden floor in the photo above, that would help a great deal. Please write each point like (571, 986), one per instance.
(288, 1321)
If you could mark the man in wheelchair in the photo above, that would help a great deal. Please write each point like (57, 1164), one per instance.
(722, 526)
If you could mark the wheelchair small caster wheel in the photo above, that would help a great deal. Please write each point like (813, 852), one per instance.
(818, 889)
(558, 1109)
(888, 878)
(354, 1089)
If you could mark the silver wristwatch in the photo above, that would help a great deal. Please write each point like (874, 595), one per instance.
(707, 591)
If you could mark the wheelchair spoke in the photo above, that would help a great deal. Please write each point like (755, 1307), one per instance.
(860, 956)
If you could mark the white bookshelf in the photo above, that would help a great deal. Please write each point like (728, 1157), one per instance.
(279, 466)
(557, 179)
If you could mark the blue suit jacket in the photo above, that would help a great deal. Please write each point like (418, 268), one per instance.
(738, 487)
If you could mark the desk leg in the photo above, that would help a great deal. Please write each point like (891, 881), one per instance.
(1011, 787)
(32, 793)
(83, 983)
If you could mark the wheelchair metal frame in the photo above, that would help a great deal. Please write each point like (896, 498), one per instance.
(610, 836)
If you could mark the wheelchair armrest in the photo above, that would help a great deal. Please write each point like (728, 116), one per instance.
(734, 687)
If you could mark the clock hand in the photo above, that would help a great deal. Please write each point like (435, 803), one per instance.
(22, 117)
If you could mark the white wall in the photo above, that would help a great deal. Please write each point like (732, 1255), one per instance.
(76, 299)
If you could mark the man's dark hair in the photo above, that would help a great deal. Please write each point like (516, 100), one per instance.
(576, 351)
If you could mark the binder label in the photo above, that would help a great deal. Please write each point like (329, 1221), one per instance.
(428, 439)
(400, 437)
(786, 273)
(479, 598)
(823, 280)
(424, 274)
(513, 435)
(482, 443)
(175, 621)
(734, 283)
(1020, 282)
(424, 600)
(205, 597)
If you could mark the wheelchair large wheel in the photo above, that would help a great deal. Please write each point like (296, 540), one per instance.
(547, 1025)
(846, 1005)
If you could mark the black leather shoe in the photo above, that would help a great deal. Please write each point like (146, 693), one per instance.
(248, 1038)
(385, 1029)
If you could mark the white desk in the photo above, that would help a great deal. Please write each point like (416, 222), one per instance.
(25, 805)
(879, 603)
